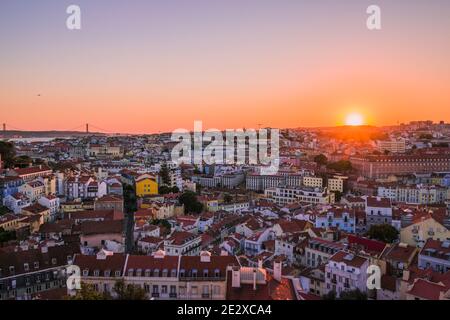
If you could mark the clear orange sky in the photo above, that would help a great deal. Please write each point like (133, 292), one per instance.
(141, 66)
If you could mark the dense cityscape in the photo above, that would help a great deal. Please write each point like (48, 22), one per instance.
(138, 226)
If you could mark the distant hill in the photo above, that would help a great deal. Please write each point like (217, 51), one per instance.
(359, 133)
(11, 134)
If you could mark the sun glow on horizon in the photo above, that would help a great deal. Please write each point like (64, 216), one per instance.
(354, 119)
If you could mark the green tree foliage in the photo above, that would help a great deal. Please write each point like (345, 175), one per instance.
(129, 291)
(88, 292)
(346, 295)
(8, 153)
(129, 197)
(353, 295)
(164, 174)
(426, 136)
(383, 232)
(341, 166)
(329, 296)
(228, 198)
(22, 161)
(6, 236)
(162, 223)
(321, 159)
(190, 202)
(166, 189)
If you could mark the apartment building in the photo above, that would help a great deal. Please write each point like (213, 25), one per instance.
(284, 195)
(162, 276)
(382, 166)
(378, 211)
(346, 272)
(182, 243)
(318, 251)
(419, 194)
(435, 255)
(343, 219)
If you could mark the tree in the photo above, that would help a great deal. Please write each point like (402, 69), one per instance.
(8, 153)
(88, 292)
(164, 174)
(6, 236)
(340, 166)
(426, 136)
(22, 161)
(162, 189)
(353, 295)
(163, 223)
(337, 196)
(166, 189)
(190, 202)
(383, 232)
(329, 296)
(345, 295)
(129, 197)
(227, 198)
(129, 291)
(321, 159)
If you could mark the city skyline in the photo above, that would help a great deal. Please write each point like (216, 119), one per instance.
(148, 67)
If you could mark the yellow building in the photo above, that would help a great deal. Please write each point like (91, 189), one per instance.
(146, 185)
(336, 184)
(314, 182)
(426, 227)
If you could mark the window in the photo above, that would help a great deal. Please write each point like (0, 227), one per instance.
(164, 289)
(36, 265)
(130, 272)
(26, 267)
(53, 261)
(85, 272)
(117, 273)
(96, 273)
(107, 273)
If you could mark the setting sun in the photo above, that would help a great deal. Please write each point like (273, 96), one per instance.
(354, 119)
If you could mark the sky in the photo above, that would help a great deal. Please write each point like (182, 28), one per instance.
(158, 65)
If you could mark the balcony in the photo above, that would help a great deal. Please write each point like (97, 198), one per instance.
(172, 295)
(155, 295)
(186, 278)
(206, 295)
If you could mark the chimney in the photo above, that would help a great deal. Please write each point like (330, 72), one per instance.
(446, 221)
(254, 279)
(277, 267)
(405, 275)
(236, 277)
(260, 263)
(205, 256)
